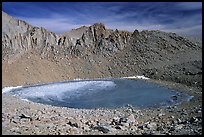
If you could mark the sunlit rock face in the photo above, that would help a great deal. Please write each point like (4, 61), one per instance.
(109, 93)
(155, 54)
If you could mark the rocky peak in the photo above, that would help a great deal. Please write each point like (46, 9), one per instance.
(5, 16)
(98, 30)
(18, 37)
(11, 26)
(80, 28)
(75, 34)
(135, 33)
(99, 25)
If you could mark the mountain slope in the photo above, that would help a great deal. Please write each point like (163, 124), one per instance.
(35, 55)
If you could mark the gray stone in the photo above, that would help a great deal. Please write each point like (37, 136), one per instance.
(152, 126)
(179, 121)
(115, 121)
(74, 123)
(119, 127)
(104, 129)
(193, 120)
(161, 114)
(141, 127)
(178, 127)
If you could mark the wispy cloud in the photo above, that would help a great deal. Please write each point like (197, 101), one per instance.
(179, 17)
(55, 23)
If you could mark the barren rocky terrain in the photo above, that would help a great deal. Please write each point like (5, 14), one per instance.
(34, 55)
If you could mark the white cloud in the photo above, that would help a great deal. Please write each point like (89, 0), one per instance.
(190, 31)
(55, 23)
(129, 20)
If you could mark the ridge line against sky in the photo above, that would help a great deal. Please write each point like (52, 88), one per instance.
(180, 17)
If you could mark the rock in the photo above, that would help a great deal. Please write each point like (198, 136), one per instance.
(174, 97)
(141, 127)
(90, 123)
(178, 127)
(125, 124)
(168, 133)
(127, 120)
(147, 132)
(74, 131)
(86, 128)
(179, 121)
(161, 114)
(102, 121)
(123, 120)
(184, 113)
(14, 121)
(198, 111)
(131, 119)
(172, 117)
(22, 116)
(75, 123)
(115, 121)
(104, 129)
(174, 121)
(156, 133)
(193, 120)
(16, 130)
(152, 126)
(160, 128)
(119, 127)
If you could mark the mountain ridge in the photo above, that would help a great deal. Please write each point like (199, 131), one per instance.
(96, 51)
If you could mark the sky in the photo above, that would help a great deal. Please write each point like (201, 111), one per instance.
(180, 17)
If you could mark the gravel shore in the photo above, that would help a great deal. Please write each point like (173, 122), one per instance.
(22, 117)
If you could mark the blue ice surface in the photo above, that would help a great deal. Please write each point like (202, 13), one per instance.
(106, 93)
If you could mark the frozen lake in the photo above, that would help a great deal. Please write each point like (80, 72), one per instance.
(108, 93)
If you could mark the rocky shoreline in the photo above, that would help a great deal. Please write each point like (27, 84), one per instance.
(22, 117)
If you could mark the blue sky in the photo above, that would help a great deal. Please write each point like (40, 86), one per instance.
(59, 17)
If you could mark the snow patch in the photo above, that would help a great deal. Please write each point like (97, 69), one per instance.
(8, 89)
(77, 79)
(137, 77)
(25, 100)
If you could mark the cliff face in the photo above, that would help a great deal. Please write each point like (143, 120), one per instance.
(96, 39)
(19, 37)
(108, 53)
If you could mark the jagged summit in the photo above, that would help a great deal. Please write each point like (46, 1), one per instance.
(76, 33)
(99, 25)
(11, 26)
(19, 36)
(82, 27)
(5, 15)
